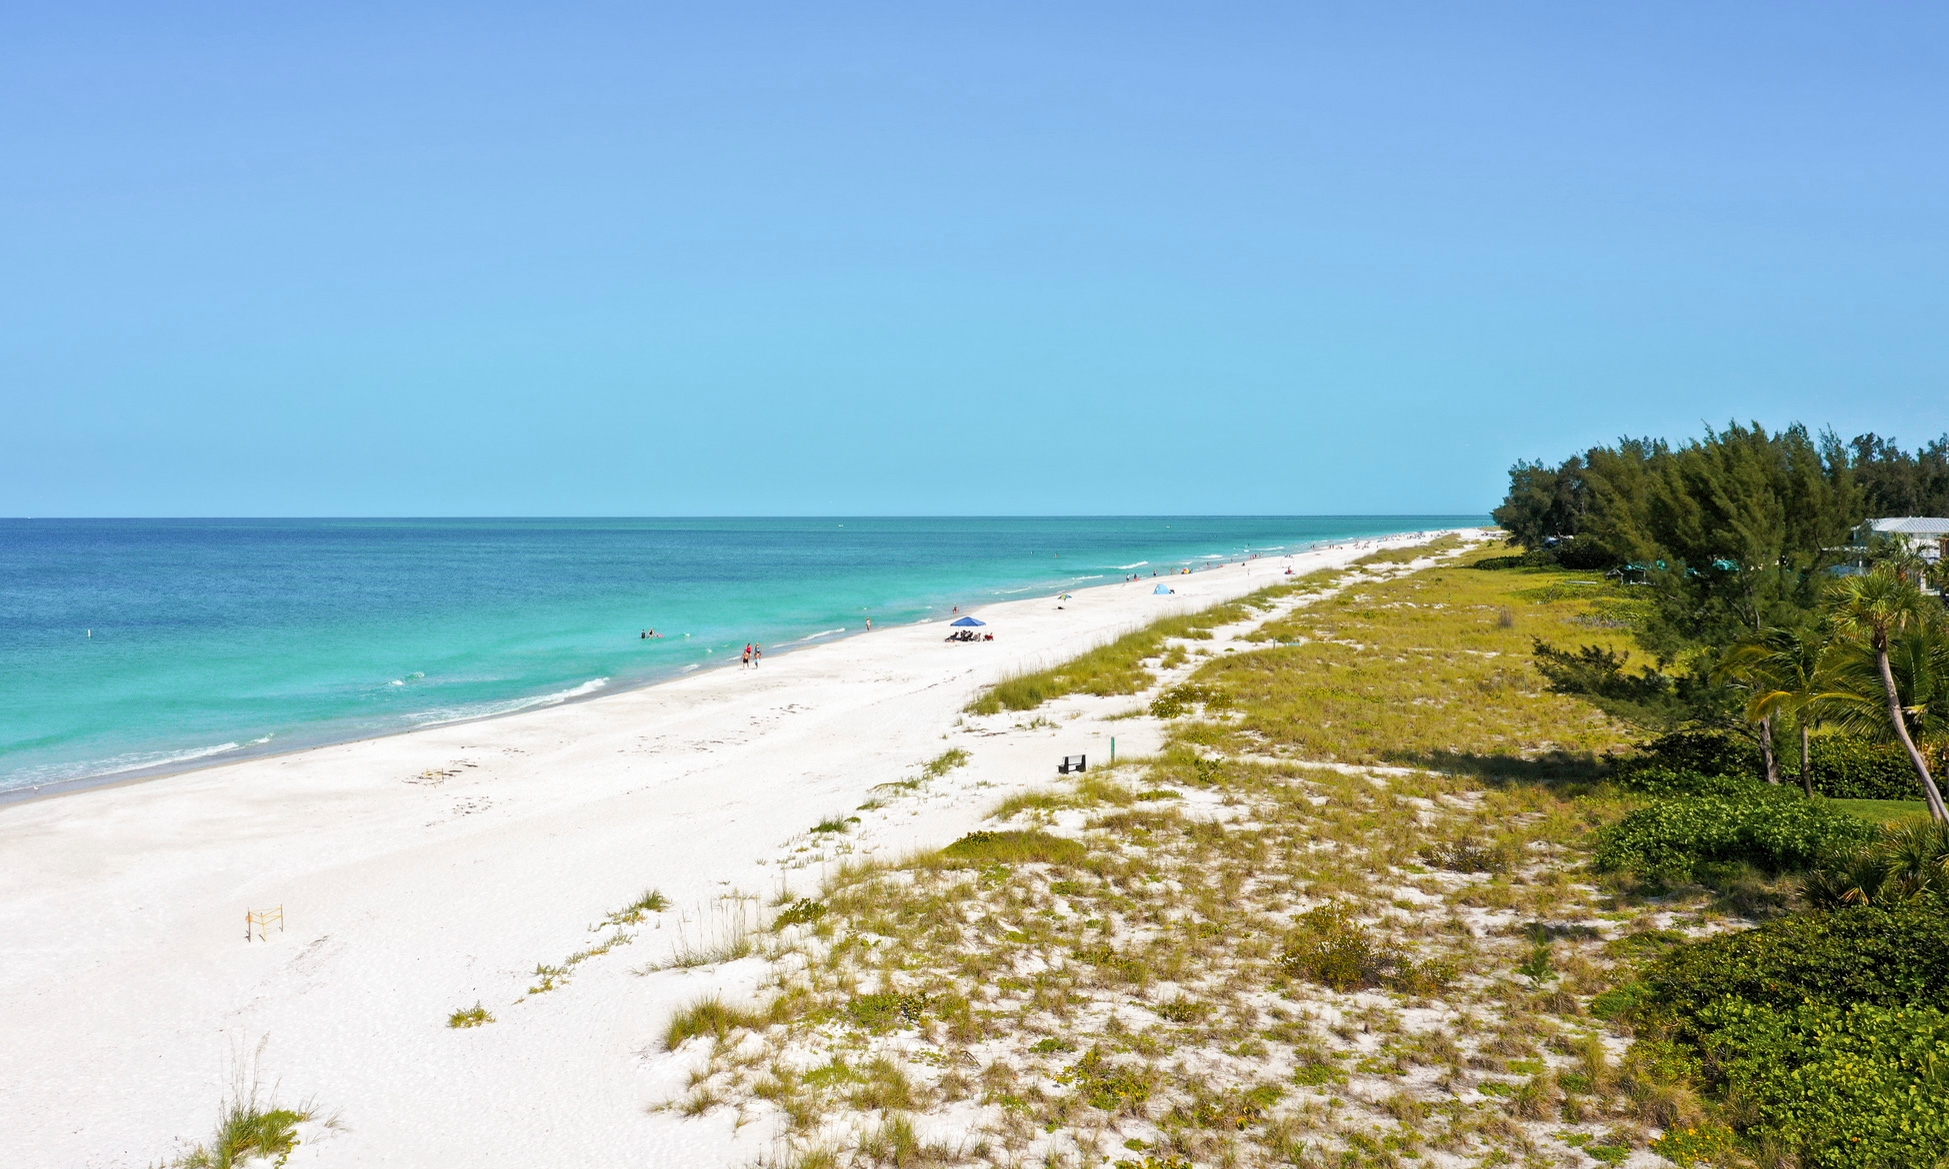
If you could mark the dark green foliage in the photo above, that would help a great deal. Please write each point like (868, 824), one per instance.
(1659, 781)
(1774, 829)
(1906, 862)
(1884, 957)
(1706, 752)
(1847, 767)
(1742, 521)
(1534, 558)
(1842, 1087)
(1181, 698)
(1897, 483)
(1017, 847)
(1825, 1034)
(1645, 697)
(1545, 504)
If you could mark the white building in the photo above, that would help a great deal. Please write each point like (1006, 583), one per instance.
(1928, 535)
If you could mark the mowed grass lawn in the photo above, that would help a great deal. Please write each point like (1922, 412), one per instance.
(1430, 669)
(1884, 811)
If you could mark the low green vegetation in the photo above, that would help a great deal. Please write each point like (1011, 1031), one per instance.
(474, 1016)
(1119, 667)
(1419, 671)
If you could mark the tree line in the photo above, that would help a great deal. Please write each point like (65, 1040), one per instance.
(1756, 611)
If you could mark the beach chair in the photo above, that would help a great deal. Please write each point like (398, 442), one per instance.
(1073, 763)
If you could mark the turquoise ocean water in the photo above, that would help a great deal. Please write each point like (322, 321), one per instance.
(132, 645)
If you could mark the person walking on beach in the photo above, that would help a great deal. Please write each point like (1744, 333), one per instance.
(757, 651)
(746, 663)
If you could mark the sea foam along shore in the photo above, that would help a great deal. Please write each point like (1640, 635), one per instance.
(425, 871)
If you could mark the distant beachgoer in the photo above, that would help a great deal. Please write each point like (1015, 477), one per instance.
(869, 624)
(757, 651)
(746, 664)
(957, 608)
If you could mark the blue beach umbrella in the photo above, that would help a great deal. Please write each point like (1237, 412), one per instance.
(967, 621)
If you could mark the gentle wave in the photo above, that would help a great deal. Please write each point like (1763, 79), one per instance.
(816, 636)
(453, 714)
(1128, 567)
(114, 765)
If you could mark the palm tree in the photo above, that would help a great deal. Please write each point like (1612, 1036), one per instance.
(1790, 673)
(1874, 609)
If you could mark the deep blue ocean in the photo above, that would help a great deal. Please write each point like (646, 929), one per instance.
(137, 644)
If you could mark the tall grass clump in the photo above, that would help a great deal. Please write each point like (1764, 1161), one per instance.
(248, 1127)
(708, 1016)
(474, 1016)
(1117, 667)
(1017, 847)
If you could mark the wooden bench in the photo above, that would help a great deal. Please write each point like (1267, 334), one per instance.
(1073, 763)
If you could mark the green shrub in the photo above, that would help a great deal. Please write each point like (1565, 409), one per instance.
(804, 911)
(1774, 829)
(1856, 1087)
(1017, 847)
(1182, 698)
(1706, 752)
(1847, 767)
(1328, 946)
(1880, 957)
(1668, 781)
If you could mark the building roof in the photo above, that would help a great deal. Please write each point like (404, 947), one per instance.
(1911, 526)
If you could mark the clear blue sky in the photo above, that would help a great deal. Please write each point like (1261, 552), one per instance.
(992, 258)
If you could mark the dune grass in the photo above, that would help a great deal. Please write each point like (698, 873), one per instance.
(1420, 670)
(707, 1016)
(1117, 667)
(249, 1126)
(474, 1016)
(1412, 552)
(1029, 846)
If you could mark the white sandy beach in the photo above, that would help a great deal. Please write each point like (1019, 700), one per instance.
(422, 872)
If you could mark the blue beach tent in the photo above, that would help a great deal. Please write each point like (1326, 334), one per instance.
(967, 621)
(1162, 591)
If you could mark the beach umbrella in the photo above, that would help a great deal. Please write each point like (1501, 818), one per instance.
(967, 621)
